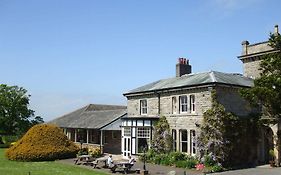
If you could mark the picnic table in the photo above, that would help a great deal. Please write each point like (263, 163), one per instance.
(103, 160)
(122, 166)
(85, 160)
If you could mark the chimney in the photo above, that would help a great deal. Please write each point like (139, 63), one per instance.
(245, 47)
(183, 67)
(276, 30)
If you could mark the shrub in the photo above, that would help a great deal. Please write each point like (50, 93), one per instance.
(42, 142)
(216, 168)
(95, 152)
(181, 164)
(190, 163)
(4, 146)
(176, 156)
(209, 160)
(165, 159)
(8, 139)
(83, 151)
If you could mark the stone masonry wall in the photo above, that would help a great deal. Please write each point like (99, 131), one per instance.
(251, 69)
(232, 101)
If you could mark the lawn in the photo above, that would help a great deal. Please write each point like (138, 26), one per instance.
(8, 167)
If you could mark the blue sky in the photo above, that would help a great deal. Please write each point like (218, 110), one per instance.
(70, 53)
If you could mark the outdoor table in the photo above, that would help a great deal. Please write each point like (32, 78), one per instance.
(124, 166)
(102, 159)
(83, 159)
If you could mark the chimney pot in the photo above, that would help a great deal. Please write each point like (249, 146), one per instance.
(183, 67)
(276, 30)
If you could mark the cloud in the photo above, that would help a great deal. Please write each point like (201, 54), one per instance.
(234, 4)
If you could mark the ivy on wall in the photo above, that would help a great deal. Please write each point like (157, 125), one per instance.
(162, 139)
(223, 134)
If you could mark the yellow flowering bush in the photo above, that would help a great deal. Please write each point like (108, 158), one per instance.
(42, 142)
(95, 152)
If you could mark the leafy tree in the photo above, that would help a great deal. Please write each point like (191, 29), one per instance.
(216, 139)
(162, 139)
(15, 115)
(267, 88)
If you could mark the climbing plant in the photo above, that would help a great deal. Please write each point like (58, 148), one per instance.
(217, 132)
(227, 139)
(162, 139)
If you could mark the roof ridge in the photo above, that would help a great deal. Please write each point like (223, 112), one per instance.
(213, 77)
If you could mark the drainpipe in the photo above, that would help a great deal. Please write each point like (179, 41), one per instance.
(101, 140)
(158, 96)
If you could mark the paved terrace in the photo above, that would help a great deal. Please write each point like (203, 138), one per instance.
(164, 170)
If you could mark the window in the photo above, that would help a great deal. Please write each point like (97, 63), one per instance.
(192, 103)
(192, 142)
(114, 134)
(127, 131)
(183, 103)
(143, 107)
(183, 141)
(174, 105)
(143, 132)
(174, 135)
(143, 136)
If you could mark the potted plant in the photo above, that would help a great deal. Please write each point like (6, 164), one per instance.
(272, 155)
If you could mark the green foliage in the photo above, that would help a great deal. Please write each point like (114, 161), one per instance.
(83, 151)
(4, 145)
(217, 132)
(216, 168)
(15, 116)
(177, 159)
(209, 161)
(267, 88)
(176, 156)
(8, 139)
(162, 138)
(42, 142)
(189, 163)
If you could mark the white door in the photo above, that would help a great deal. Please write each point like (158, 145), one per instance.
(126, 141)
(126, 146)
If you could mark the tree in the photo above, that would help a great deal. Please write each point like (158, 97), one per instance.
(266, 92)
(162, 139)
(267, 88)
(15, 115)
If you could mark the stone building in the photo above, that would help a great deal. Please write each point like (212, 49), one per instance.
(251, 57)
(252, 54)
(182, 100)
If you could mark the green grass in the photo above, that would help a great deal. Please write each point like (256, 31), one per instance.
(8, 167)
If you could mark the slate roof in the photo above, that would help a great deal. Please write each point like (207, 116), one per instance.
(92, 116)
(193, 80)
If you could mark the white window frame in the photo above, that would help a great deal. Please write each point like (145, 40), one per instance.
(143, 133)
(127, 132)
(192, 103)
(192, 142)
(183, 103)
(183, 141)
(143, 107)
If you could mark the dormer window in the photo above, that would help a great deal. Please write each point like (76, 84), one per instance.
(183, 104)
(143, 107)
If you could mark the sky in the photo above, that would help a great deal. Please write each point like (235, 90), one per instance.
(69, 53)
